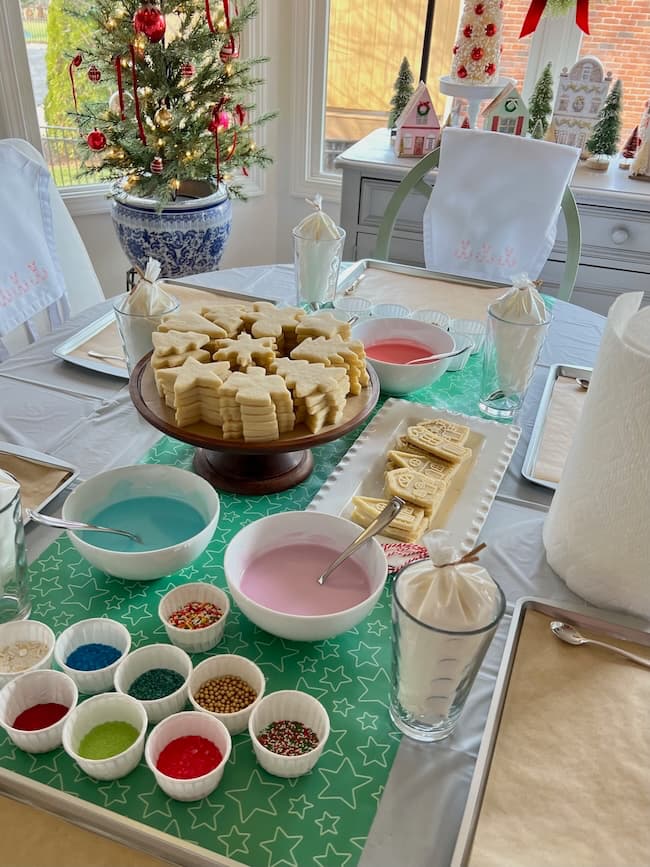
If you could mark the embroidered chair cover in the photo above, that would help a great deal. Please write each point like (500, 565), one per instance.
(493, 209)
(31, 279)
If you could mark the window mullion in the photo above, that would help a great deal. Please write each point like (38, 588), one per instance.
(556, 39)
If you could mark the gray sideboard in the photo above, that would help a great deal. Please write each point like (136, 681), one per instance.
(614, 213)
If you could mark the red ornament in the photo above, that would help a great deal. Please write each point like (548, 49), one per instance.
(188, 69)
(490, 29)
(76, 60)
(490, 69)
(455, 49)
(479, 9)
(467, 32)
(477, 53)
(461, 72)
(96, 140)
(156, 165)
(94, 74)
(150, 21)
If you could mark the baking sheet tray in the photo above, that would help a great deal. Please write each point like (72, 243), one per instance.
(105, 328)
(31, 455)
(573, 791)
(537, 434)
(419, 289)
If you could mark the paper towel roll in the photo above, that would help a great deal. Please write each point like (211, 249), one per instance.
(597, 532)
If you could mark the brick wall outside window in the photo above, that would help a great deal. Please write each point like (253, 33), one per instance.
(620, 39)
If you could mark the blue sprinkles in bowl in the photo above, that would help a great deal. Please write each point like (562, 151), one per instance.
(91, 657)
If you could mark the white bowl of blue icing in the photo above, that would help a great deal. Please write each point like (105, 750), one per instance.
(174, 511)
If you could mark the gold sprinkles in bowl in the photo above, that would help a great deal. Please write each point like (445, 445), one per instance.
(227, 694)
(195, 615)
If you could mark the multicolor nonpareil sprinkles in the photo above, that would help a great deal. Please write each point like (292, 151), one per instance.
(195, 615)
(288, 738)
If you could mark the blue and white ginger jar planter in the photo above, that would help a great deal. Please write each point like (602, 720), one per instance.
(187, 237)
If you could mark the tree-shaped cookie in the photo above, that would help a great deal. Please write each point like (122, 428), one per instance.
(245, 351)
(264, 404)
(323, 325)
(336, 352)
(228, 316)
(177, 342)
(189, 320)
(306, 379)
(267, 320)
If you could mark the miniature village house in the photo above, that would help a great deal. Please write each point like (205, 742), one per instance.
(418, 127)
(580, 96)
(506, 113)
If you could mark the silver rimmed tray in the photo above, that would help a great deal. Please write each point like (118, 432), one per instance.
(45, 460)
(572, 753)
(555, 371)
(64, 350)
(187, 293)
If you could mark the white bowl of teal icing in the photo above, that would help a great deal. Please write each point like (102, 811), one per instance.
(175, 511)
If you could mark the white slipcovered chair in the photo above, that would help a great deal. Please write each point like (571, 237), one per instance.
(45, 272)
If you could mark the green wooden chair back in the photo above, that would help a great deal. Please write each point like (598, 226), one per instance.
(414, 182)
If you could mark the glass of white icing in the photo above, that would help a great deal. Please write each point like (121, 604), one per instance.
(139, 313)
(444, 617)
(15, 599)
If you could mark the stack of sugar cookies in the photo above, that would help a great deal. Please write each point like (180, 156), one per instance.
(256, 370)
(419, 470)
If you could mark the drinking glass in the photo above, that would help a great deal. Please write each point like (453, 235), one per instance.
(433, 669)
(316, 264)
(509, 357)
(136, 329)
(15, 599)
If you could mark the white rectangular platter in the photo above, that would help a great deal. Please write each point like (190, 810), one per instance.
(473, 488)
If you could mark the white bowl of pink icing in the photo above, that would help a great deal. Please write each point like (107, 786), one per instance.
(272, 566)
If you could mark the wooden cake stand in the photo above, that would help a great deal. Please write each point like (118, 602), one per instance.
(238, 466)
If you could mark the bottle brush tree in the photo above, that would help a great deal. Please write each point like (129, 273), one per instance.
(541, 102)
(403, 91)
(604, 138)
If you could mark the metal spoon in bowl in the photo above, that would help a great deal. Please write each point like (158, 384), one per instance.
(62, 524)
(569, 634)
(437, 357)
(383, 519)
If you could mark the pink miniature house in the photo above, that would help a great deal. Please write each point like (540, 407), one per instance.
(418, 127)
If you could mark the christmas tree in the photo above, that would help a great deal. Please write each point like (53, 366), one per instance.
(537, 131)
(183, 95)
(541, 103)
(604, 137)
(403, 91)
(477, 49)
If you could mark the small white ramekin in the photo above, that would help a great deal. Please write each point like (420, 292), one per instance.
(194, 640)
(219, 666)
(433, 317)
(473, 329)
(108, 707)
(37, 687)
(26, 630)
(95, 630)
(156, 656)
(289, 704)
(391, 311)
(180, 725)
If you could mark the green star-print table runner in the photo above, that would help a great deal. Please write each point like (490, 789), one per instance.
(254, 818)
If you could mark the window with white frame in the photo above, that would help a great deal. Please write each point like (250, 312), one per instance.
(352, 56)
(36, 100)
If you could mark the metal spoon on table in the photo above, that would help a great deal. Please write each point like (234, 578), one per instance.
(62, 524)
(382, 520)
(569, 634)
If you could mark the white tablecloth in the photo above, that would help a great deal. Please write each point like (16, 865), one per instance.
(87, 418)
